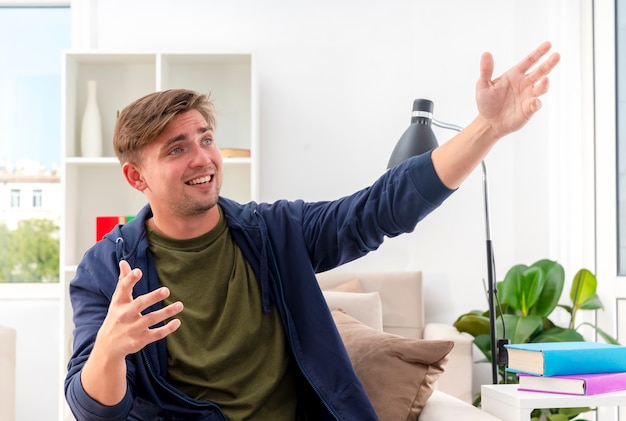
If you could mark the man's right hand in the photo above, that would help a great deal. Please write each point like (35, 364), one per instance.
(125, 330)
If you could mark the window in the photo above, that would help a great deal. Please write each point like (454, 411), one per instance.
(15, 198)
(30, 139)
(36, 198)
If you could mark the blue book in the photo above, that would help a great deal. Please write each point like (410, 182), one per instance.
(564, 358)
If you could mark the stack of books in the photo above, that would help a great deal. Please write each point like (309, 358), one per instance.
(574, 368)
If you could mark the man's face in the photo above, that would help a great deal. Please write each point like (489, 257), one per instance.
(181, 171)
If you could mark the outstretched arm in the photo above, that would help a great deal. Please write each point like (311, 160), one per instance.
(505, 104)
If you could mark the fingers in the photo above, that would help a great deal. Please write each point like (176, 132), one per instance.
(150, 321)
(147, 300)
(535, 105)
(542, 86)
(533, 58)
(155, 317)
(487, 64)
(128, 277)
(129, 324)
(124, 268)
(544, 68)
(486, 70)
(159, 333)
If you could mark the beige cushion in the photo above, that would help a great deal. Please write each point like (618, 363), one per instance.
(400, 294)
(353, 285)
(398, 373)
(366, 307)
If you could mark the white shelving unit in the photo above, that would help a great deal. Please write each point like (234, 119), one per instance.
(96, 187)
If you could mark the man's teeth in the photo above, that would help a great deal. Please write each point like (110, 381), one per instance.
(201, 180)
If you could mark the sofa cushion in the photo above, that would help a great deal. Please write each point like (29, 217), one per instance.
(366, 307)
(398, 373)
(353, 285)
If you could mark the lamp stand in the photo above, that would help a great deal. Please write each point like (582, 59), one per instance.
(491, 283)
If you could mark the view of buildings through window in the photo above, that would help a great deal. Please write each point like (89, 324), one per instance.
(30, 145)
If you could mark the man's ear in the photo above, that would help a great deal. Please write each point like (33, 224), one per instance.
(133, 176)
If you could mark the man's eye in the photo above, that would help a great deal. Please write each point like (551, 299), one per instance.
(207, 141)
(175, 151)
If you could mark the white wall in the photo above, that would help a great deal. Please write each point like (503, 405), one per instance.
(337, 80)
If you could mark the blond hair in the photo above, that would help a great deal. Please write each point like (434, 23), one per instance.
(143, 120)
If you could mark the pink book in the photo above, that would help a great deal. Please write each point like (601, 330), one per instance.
(577, 384)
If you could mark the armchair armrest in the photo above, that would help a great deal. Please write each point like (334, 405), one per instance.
(441, 406)
(456, 380)
(7, 368)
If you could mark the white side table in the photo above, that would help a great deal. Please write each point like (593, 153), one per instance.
(507, 403)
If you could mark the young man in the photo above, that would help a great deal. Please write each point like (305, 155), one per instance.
(206, 309)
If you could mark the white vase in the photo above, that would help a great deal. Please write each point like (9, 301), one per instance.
(91, 130)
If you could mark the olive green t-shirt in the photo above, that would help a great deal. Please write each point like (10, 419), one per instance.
(226, 350)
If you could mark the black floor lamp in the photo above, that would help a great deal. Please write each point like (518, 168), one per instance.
(419, 138)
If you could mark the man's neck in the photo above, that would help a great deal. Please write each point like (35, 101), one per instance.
(184, 228)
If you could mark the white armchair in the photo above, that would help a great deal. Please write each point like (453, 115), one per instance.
(7, 373)
(403, 314)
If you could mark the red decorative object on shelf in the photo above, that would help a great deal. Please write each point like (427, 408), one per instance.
(104, 224)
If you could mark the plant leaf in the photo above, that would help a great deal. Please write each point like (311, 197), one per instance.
(559, 334)
(483, 343)
(522, 287)
(608, 338)
(583, 287)
(518, 328)
(550, 294)
(592, 303)
(566, 308)
(575, 411)
(472, 323)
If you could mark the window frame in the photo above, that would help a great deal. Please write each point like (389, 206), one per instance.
(15, 201)
(611, 285)
(37, 198)
(39, 290)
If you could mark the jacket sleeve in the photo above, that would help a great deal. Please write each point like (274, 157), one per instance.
(90, 293)
(85, 408)
(340, 231)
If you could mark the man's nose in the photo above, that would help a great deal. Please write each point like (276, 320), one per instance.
(201, 156)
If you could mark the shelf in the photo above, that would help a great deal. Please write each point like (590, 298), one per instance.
(79, 160)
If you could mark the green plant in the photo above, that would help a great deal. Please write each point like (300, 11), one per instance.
(528, 297)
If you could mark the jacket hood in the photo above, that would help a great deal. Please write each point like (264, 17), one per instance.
(127, 237)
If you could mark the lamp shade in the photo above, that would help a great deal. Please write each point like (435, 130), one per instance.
(419, 137)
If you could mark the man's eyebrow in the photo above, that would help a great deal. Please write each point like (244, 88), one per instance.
(181, 136)
(173, 140)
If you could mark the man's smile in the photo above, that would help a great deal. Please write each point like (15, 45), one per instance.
(201, 180)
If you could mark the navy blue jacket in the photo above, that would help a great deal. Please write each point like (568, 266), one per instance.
(286, 243)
